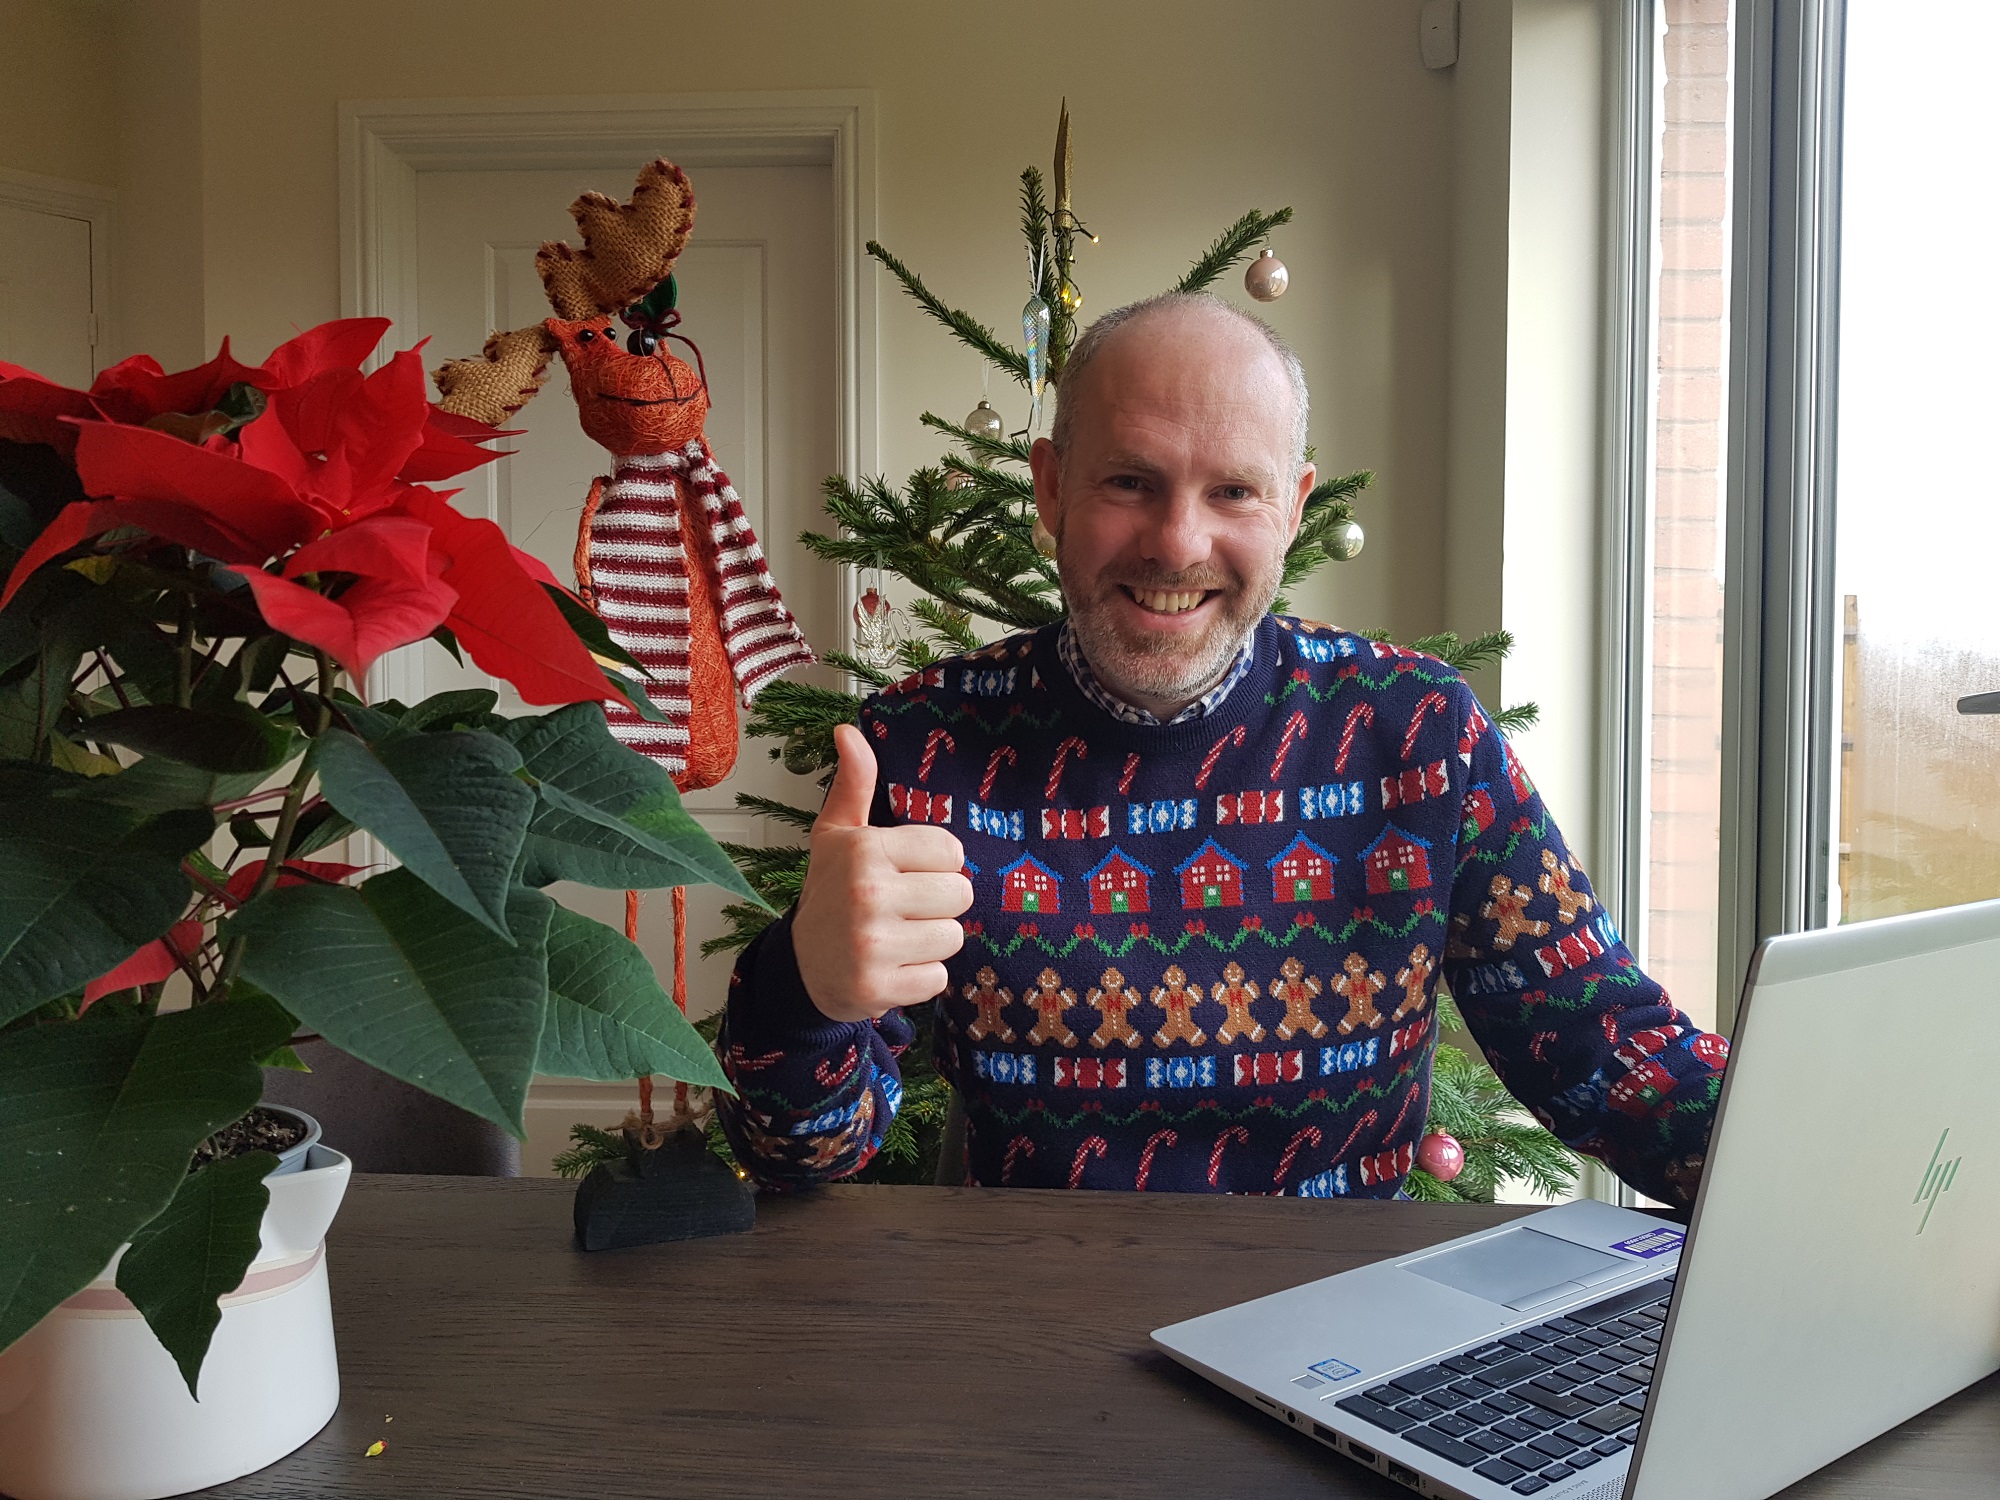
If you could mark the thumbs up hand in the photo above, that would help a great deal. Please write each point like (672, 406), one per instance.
(878, 914)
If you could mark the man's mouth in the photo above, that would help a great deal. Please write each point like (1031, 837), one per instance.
(1167, 601)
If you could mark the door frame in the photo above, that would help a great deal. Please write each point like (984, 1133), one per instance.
(96, 206)
(386, 143)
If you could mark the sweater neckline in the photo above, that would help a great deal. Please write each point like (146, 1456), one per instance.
(1244, 705)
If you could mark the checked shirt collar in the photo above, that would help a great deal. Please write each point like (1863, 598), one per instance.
(1086, 683)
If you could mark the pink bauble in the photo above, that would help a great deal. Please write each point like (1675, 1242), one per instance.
(1441, 1156)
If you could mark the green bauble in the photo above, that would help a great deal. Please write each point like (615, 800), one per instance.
(800, 757)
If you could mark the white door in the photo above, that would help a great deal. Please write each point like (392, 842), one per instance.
(45, 309)
(756, 294)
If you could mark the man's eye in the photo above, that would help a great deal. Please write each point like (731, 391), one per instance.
(1126, 481)
(1237, 492)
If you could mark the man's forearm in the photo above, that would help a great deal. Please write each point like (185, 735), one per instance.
(814, 1097)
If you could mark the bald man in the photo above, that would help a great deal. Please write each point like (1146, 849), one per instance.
(1104, 846)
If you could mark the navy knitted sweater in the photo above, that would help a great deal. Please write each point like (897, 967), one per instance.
(1203, 956)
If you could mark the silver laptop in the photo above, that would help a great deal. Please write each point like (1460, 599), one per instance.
(1838, 1278)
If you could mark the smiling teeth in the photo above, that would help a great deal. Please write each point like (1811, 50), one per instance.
(1161, 603)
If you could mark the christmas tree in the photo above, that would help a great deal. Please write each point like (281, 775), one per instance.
(963, 533)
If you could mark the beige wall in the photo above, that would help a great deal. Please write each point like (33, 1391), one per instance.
(58, 99)
(1324, 106)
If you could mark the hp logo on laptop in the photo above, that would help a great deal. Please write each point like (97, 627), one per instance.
(1937, 1180)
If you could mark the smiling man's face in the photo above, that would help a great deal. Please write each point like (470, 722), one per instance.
(1175, 503)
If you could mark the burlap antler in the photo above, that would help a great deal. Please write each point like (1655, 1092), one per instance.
(628, 248)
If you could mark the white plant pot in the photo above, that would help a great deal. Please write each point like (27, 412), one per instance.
(93, 1408)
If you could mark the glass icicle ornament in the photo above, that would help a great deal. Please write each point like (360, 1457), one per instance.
(1036, 319)
(1266, 277)
(879, 630)
(984, 421)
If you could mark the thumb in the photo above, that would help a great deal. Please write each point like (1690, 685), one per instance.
(853, 790)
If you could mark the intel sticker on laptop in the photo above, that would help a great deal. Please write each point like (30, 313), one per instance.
(1661, 1241)
(1333, 1369)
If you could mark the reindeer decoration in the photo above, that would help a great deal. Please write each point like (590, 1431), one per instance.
(664, 552)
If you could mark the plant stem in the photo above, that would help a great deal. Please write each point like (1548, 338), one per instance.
(184, 654)
(110, 676)
(281, 836)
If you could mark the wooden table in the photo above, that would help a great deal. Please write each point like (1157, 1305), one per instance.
(866, 1341)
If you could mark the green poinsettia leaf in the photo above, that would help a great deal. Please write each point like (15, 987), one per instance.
(468, 706)
(99, 1118)
(607, 816)
(608, 1018)
(450, 806)
(233, 737)
(196, 1251)
(83, 885)
(591, 629)
(158, 785)
(394, 974)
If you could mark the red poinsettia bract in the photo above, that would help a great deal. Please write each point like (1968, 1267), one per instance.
(321, 504)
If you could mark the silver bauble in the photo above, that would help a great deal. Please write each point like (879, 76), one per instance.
(1266, 277)
(984, 421)
(1344, 540)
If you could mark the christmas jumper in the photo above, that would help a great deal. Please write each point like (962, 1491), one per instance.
(1203, 956)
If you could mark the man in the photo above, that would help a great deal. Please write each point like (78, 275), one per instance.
(1184, 874)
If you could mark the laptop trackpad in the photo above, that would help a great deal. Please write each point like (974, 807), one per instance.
(1518, 1268)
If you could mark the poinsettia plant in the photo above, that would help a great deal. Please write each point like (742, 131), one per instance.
(199, 568)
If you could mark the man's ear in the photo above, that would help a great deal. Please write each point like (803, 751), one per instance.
(1046, 465)
(1307, 476)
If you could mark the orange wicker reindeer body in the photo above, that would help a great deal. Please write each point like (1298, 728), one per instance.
(664, 552)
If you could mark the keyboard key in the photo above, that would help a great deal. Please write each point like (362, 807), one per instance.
(1557, 1471)
(1462, 1364)
(1597, 1338)
(1553, 1445)
(1505, 1402)
(1630, 1435)
(1565, 1325)
(1611, 1419)
(1388, 1395)
(1488, 1442)
(1429, 1378)
(1577, 1433)
(1499, 1471)
(1596, 1395)
(1573, 1346)
(1558, 1381)
(1623, 1327)
(1447, 1448)
(1620, 1385)
(1518, 1432)
(1603, 1363)
(1583, 1458)
(1538, 1419)
(1526, 1339)
(1421, 1411)
(1375, 1412)
(1453, 1425)
(1556, 1404)
(1530, 1485)
(1471, 1390)
(1488, 1353)
(1444, 1397)
(1518, 1368)
(1606, 1448)
(1613, 1308)
(1485, 1413)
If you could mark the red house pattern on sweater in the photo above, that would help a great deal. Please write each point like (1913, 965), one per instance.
(1210, 877)
(1118, 884)
(1301, 871)
(1029, 885)
(1396, 862)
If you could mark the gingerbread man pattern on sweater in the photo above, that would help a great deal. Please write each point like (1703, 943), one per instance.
(1203, 956)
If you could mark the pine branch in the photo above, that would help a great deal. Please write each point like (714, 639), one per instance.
(994, 450)
(854, 666)
(951, 626)
(781, 812)
(593, 1148)
(1016, 489)
(1231, 246)
(967, 329)
(1518, 719)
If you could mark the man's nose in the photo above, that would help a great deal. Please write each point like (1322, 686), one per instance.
(1178, 538)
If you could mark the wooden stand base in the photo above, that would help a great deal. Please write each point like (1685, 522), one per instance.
(678, 1190)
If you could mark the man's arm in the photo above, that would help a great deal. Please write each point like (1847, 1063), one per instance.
(813, 1025)
(814, 1097)
(1574, 1028)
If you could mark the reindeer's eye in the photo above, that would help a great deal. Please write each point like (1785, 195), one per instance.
(641, 341)
(585, 335)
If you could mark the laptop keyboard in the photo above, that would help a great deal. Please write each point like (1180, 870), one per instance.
(1538, 1405)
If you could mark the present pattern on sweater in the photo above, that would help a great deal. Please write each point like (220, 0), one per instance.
(1203, 956)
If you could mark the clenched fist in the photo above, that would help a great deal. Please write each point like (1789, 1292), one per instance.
(878, 915)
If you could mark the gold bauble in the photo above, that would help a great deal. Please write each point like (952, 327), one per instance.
(1045, 539)
(957, 481)
(1067, 294)
(1266, 277)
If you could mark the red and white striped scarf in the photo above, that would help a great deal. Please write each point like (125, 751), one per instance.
(639, 585)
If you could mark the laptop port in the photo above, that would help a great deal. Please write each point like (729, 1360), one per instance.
(1366, 1455)
(1405, 1476)
(1267, 1401)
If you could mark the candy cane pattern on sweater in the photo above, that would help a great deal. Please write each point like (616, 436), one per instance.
(639, 580)
(1154, 1141)
(1234, 737)
(1295, 729)
(1234, 1133)
(1095, 1146)
(929, 758)
(1361, 713)
(1310, 1136)
(993, 763)
(1429, 703)
(1062, 761)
